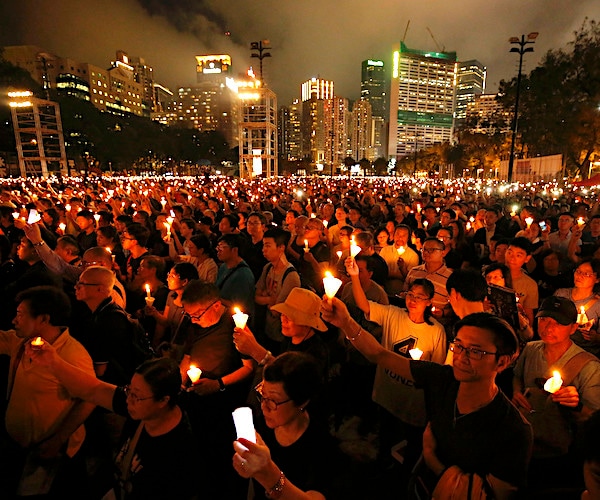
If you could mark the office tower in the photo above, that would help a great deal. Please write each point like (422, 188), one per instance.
(373, 88)
(421, 100)
(470, 83)
(317, 110)
(144, 75)
(289, 129)
(361, 131)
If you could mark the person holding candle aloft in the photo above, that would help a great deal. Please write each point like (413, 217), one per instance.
(585, 297)
(468, 415)
(314, 258)
(402, 330)
(555, 417)
(400, 259)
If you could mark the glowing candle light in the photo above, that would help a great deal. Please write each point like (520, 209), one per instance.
(239, 318)
(580, 222)
(425, 224)
(529, 221)
(468, 226)
(331, 285)
(62, 226)
(339, 254)
(68, 207)
(354, 248)
(37, 343)
(325, 223)
(97, 217)
(415, 353)
(554, 383)
(15, 215)
(401, 250)
(194, 373)
(306, 249)
(433, 309)
(163, 202)
(582, 318)
(244, 425)
(147, 288)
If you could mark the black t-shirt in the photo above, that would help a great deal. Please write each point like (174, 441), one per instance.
(495, 439)
(308, 275)
(163, 467)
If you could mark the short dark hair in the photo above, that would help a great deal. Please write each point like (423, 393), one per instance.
(186, 271)
(232, 239)
(280, 236)
(299, 374)
(202, 242)
(69, 241)
(109, 232)
(469, 283)
(494, 266)
(426, 284)
(47, 300)
(86, 214)
(164, 378)
(522, 243)
(364, 239)
(262, 218)
(139, 232)
(504, 337)
(154, 262)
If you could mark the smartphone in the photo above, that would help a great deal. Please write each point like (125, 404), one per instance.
(542, 225)
(33, 216)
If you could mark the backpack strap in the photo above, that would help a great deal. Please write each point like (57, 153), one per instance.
(572, 367)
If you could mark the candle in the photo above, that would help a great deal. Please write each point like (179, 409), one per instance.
(354, 248)
(433, 309)
(68, 207)
(425, 224)
(37, 343)
(554, 383)
(306, 249)
(62, 226)
(582, 318)
(415, 353)
(239, 318)
(529, 221)
(468, 226)
(418, 208)
(168, 226)
(325, 223)
(97, 217)
(147, 288)
(580, 222)
(15, 215)
(163, 202)
(194, 373)
(401, 250)
(244, 425)
(331, 284)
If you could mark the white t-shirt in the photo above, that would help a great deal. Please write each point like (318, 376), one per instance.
(397, 395)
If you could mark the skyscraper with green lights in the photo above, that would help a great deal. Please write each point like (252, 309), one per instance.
(421, 100)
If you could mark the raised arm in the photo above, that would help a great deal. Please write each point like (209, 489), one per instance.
(335, 312)
(359, 294)
(78, 383)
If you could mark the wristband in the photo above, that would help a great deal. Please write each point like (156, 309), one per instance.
(38, 244)
(263, 361)
(222, 386)
(358, 333)
(277, 490)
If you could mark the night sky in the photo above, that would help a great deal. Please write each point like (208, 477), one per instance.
(327, 38)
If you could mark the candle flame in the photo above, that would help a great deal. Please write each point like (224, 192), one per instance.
(237, 310)
(37, 341)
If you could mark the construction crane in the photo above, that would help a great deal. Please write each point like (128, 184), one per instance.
(405, 31)
(440, 49)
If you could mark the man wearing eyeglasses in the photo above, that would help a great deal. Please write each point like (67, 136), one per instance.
(556, 416)
(225, 380)
(434, 269)
(468, 415)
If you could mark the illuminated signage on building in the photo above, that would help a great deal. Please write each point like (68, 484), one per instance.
(213, 64)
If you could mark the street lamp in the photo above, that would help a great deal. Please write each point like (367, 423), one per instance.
(521, 49)
(260, 47)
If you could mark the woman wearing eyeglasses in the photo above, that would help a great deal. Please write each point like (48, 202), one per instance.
(154, 460)
(294, 456)
(404, 331)
(585, 296)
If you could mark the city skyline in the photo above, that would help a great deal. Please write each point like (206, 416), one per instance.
(307, 42)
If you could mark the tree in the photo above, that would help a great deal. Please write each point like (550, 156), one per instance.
(559, 112)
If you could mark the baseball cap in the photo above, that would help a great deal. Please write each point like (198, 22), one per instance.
(558, 308)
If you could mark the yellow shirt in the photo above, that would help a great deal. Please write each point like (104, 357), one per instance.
(38, 402)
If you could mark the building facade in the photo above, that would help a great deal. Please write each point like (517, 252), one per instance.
(421, 100)
(470, 82)
(374, 89)
(361, 131)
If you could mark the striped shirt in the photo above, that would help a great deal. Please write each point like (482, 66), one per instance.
(438, 278)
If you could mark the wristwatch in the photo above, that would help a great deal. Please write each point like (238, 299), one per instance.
(222, 386)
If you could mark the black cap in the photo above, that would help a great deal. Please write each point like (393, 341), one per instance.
(558, 308)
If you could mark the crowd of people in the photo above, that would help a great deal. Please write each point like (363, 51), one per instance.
(463, 336)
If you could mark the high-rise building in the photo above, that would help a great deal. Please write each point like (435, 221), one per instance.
(470, 82)
(361, 131)
(114, 90)
(144, 75)
(421, 100)
(373, 88)
(317, 110)
(289, 127)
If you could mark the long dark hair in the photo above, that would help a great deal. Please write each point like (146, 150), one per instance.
(429, 291)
